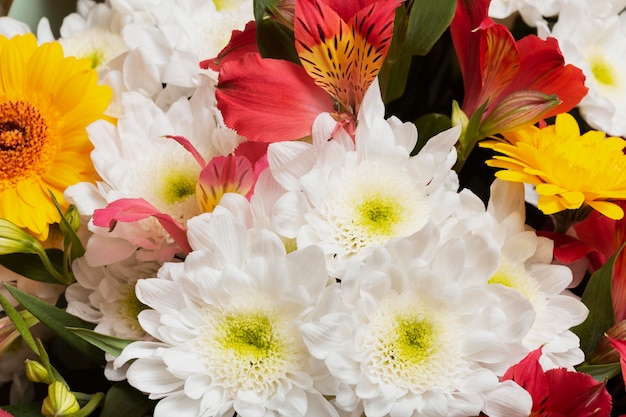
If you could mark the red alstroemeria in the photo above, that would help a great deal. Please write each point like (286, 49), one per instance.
(607, 236)
(559, 392)
(518, 82)
(342, 46)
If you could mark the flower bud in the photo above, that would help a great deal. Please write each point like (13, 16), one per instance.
(36, 372)
(59, 402)
(73, 218)
(15, 240)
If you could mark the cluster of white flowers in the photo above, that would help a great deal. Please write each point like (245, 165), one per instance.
(592, 36)
(357, 278)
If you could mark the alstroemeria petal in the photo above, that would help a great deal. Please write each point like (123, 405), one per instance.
(344, 57)
(543, 69)
(467, 44)
(620, 346)
(269, 100)
(185, 143)
(129, 210)
(224, 174)
(241, 43)
(577, 394)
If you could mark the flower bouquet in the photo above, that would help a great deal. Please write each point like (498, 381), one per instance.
(314, 208)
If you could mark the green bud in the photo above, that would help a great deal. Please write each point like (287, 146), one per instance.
(73, 218)
(15, 240)
(60, 401)
(36, 372)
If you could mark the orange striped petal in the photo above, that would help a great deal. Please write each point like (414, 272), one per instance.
(223, 174)
(343, 57)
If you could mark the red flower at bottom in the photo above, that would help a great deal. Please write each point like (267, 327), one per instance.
(559, 392)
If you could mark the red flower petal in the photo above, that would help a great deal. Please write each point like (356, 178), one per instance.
(576, 394)
(240, 44)
(269, 100)
(543, 69)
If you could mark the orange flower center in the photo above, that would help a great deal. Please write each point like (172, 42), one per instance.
(26, 147)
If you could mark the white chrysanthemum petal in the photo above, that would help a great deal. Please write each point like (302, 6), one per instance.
(290, 160)
(178, 405)
(508, 400)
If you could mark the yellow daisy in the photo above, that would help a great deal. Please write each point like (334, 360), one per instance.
(569, 169)
(46, 102)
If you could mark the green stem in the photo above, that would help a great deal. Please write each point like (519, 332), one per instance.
(94, 402)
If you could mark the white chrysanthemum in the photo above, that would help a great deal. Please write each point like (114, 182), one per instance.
(532, 11)
(227, 323)
(106, 296)
(168, 39)
(347, 196)
(203, 27)
(91, 33)
(594, 39)
(526, 266)
(421, 328)
(135, 160)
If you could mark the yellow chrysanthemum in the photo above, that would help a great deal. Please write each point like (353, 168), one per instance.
(46, 102)
(569, 169)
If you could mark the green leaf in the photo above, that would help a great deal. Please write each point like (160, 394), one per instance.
(24, 410)
(428, 20)
(262, 6)
(31, 266)
(22, 325)
(601, 372)
(393, 76)
(598, 299)
(124, 400)
(57, 320)
(109, 344)
(275, 41)
(395, 69)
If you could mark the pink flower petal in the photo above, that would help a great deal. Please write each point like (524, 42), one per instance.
(130, 210)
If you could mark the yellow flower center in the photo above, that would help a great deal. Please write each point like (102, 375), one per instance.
(27, 143)
(517, 277)
(410, 343)
(414, 342)
(249, 336)
(250, 346)
(379, 215)
(603, 72)
(177, 186)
